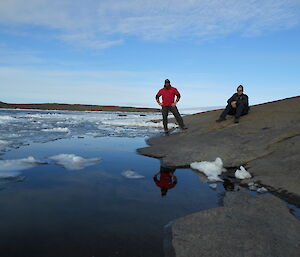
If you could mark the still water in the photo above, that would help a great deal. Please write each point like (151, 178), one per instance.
(51, 211)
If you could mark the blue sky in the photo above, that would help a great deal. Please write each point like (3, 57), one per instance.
(117, 52)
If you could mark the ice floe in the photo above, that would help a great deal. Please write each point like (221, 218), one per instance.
(131, 174)
(3, 144)
(211, 169)
(59, 129)
(73, 162)
(137, 122)
(21, 127)
(242, 173)
(6, 118)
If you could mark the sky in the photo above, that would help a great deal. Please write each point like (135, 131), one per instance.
(119, 52)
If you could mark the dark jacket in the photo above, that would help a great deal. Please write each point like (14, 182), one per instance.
(242, 99)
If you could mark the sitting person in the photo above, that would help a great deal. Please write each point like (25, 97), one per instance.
(237, 105)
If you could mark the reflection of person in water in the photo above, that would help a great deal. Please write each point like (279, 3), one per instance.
(165, 179)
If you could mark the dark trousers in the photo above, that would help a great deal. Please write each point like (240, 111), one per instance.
(241, 109)
(173, 109)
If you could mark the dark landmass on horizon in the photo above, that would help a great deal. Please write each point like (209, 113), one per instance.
(76, 107)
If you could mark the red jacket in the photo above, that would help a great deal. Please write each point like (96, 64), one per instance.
(167, 180)
(168, 95)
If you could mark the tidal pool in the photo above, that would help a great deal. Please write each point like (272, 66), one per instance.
(51, 211)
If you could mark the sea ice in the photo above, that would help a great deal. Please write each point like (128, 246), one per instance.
(137, 122)
(3, 144)
(131, 174)
(211, 169)
(21, 127)
(6, 118)
(59, 129)
(242, 173)
(73, 162)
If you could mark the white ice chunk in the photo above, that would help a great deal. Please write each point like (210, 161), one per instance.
(59, 129)
(242, 173)
(131, 174)
(6, 118)
(211, 169)
(3, 143)
(213, 186)
(136, 123)
(73, 162)
(18, 164)
(262, 190)
(252, 186)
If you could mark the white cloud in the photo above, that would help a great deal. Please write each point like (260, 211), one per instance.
(101, 24)
(73, 162)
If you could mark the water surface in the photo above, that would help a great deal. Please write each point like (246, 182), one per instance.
(94, 211)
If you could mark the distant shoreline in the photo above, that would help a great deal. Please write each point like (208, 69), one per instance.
(76, 107)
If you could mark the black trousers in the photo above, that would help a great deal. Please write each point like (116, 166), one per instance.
(241, 109)
(173, 109)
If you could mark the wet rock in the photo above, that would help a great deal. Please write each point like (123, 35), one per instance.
(259, 226)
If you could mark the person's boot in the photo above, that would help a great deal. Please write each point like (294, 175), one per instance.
(220, 119)
(236, 120)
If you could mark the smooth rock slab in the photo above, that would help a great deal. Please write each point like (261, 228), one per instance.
(266, 142)
(246, 226)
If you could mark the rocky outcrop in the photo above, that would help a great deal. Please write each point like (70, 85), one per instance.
(266, 142)
(245, 226)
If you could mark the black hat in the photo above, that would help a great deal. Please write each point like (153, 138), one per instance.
(167, 81)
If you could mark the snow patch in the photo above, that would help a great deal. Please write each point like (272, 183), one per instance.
(131, 174)
(242, 173)
(73, 162)
(211, 169)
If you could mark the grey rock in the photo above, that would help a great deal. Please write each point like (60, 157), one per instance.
(266, 141)
(246, 226)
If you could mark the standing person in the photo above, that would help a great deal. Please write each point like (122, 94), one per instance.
(237, 105)
(168, 104)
